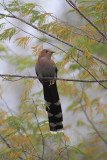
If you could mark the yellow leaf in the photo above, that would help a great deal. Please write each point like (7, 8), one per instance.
(28, 12)
(81, 7)
(1, 121)
(23, 41)
(45, 14)
(29, 86)
(66, 138)
(0, 87)
(35, 49)
(75, 109)
(58, 149)
(97, 7)
(95, 139)
(38, 83)
(42, 113)
(43, 128)
(30, 156)
(83, 27)
(61, 31)
(87, 53)
(103, 122)
(68, 39)
(88, 102)
(15, 155)
(42, 46)
(65, 62)
(84, 76)
(10, 131)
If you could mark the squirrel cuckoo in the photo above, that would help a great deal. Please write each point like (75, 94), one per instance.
(45, 67)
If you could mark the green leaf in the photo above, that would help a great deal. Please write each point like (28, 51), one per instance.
(26, 7)
(14, 122)
(12, 32)
(7, 135)
(1, 17)
(43, 123)
(8, 33)
(35, 16)
(102, 154)
(75, 103)
(37, 93)
(71, 10)
(13, 6)
(2, 25)
(77, 150)
(3, 48)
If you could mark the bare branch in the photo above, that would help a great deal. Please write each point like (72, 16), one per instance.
(89, 73)
(49, 78)
(92, 124)
(36, 37)
(51, 35)
(58, 39)
(5, 141)
(39, 129)
(10, 111)
(72, 4)
(7, 144)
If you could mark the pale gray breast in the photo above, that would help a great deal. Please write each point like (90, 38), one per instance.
(45, 69)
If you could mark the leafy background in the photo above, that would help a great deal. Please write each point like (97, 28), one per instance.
(24, 128)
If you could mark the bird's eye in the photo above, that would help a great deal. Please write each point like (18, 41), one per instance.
(46, 51)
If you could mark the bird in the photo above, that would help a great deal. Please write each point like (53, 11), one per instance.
(45, 67)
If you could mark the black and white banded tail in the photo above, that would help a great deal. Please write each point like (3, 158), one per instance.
(53, 106)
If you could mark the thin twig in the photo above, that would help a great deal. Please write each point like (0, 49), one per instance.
(11, 79)
(65, 52)
(5, 141)
(57, 37)
(36, 36)
(8, 145)
(39, 129)
(51, 35)
(10, 111)
(72, 4)
(60, 153)
(66, 149)
(89, 73)
(83, 35)
(49, 78)
(92, 124)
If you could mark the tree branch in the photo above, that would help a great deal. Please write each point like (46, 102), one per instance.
(57, 39)
(10, 111)
(8, 145)
(89, 73)
(36, 37)
(51, 35)
(49, 78)
(39, 129)
(84, 110)
(83, 35)
(86, 18)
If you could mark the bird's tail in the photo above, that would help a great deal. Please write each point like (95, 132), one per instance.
(53, 106)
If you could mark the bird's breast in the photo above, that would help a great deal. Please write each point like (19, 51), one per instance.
(45, 68)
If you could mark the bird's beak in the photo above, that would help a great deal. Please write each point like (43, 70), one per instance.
(52, 52)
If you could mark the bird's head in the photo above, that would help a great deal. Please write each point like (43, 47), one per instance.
(46, 52)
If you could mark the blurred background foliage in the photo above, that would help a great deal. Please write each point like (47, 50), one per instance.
(24, 132)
